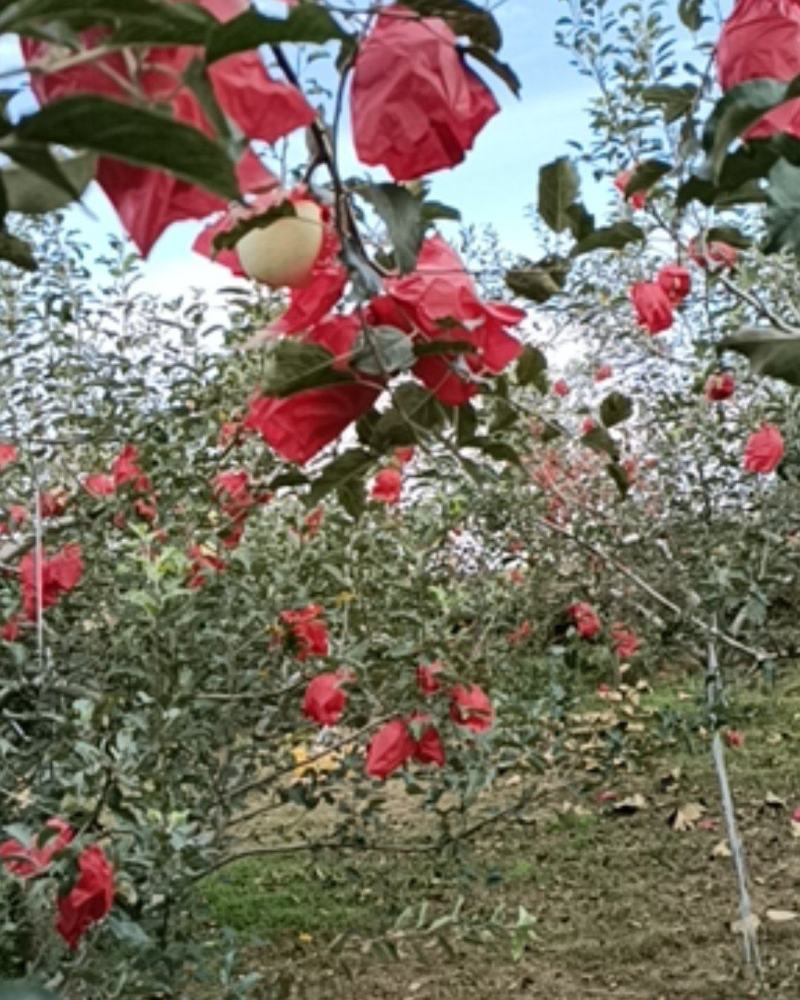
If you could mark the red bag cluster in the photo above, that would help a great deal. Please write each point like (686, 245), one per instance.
(148, 201)
(653, 301)
(89, 900)
(60, 573)
(439, 302)
(414, 737)
(761, 38)
(299, 426)
(764, 450)
(415, 106)
(91, 896)
(307, 631)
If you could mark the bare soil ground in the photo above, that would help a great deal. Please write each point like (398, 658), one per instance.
(630, 899)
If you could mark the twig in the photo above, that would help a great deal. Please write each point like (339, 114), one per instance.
(426, 847)
(260, 782)
(759, 655)
(753, 300)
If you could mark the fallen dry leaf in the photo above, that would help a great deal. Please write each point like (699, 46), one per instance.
(781, 916)
(631, 805)
(721, 850)
(685, 817)
(670, 779)
(774, 801)
(568, 808)
(605, 796)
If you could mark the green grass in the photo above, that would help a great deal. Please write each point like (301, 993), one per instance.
(272, 898)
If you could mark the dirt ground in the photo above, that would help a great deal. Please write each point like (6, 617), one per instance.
(628, 888)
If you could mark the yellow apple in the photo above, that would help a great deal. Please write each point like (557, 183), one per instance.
(283, 253)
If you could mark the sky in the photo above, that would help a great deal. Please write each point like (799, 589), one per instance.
(492, 186)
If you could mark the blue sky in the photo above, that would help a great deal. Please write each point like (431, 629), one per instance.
(494, 184)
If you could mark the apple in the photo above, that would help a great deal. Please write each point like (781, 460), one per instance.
(284, 252)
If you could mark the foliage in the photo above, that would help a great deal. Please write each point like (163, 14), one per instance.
(157, 702)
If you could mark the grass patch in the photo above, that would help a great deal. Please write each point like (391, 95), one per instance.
(268, 898)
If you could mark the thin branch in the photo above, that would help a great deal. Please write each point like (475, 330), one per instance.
(761, 308)
(759, 655)
(427, 847)
(281, 772)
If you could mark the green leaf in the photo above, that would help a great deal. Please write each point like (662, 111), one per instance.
(769, 351)
(783, 216)
(24, 989)
(740, 108)
(740, 169)
(500, 69)
(620, 477)
(128, 931)
(609, 238)
(418, 405)
(401, 212)
(477, 472)
(729, 234)
(534, 283)
(696, 188)
(293, 366)
(37, 159)
(305, 23)
(465, 420)
(691, 14)
(500, 450)
(197, 80)
(558, 188)
(464, 18)
(541, 281)
(428, 348)
(17, 252)
(366, 424)
(292, 477)
(390, 429)
(350, 466)
(228, 239)
(135, 135)
(532, 368)
(601, 441)
(581, 220)
(551, 432)
(615, 408)
(433, 210)
(28, 192)
(674, 101)
(504, 416)
(351, 496)
(750, 193)
(18, 832)
(646, 174)
(383, 350)
(785, 147)
(143, 21)
(738, 180)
